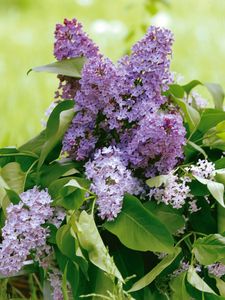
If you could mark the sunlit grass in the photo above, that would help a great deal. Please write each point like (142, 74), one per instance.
(26, 39)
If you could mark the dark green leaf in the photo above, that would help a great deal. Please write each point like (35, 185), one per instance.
(176, 90)
(178, 288)
(13, 196)
(61, 121)
(150, 277)
(66, 242)
(210, 249)
(170, 217)
(220, 219)
(197, 148)
(192, 84)
(148, 233)
(52, 172)
(69, 67)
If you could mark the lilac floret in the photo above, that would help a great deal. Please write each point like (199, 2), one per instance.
(23, 232)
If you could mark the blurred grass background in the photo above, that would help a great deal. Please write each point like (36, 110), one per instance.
(26, 40)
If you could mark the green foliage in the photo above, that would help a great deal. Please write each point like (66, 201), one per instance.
(68, 67)
(148, 278)
(148, 233)
(210, 249)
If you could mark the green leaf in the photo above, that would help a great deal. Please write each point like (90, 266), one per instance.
(150, 277)
(178, 288)
(64, 284)
(220, 219)
(13, 196)
(35, 144)
(192, 116)
(176, 90)
(167, 215)
(197, 148)
(74, 183)
(210, 249)
(220, 163)
(54, 119)
(220, 284)
(196, 281)
(148, 233)
(192, 84)
(13, 177)
(55, 170)
(69, 67)
(157, 181)
(60, 119)
(90, 240)
(71, 197)
(216, 189)
(66, 242)
(209, 118)
(217, 93)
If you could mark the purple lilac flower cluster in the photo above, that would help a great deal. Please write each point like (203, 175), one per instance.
(156, 144)
(55, 278)
(216, 269)
(23, 232)
(174, 191)
(122, 105)
(110, 181)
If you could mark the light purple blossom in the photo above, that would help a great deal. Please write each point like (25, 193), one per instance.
(204, 169)
(72, 41)
(55, 278)
(216, 269)
(156, 145)
(23, 232)
(174, 191)
(146, 72)
(110, 181)
(58, 216)
(193, 206)
(197, 99)
(96, 96)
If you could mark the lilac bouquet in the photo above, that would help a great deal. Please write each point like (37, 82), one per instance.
(121, 196)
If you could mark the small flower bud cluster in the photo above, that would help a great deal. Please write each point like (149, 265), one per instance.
(217, 269)
(174, 191)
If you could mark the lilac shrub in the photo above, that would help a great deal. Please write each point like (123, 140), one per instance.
(129, 164)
